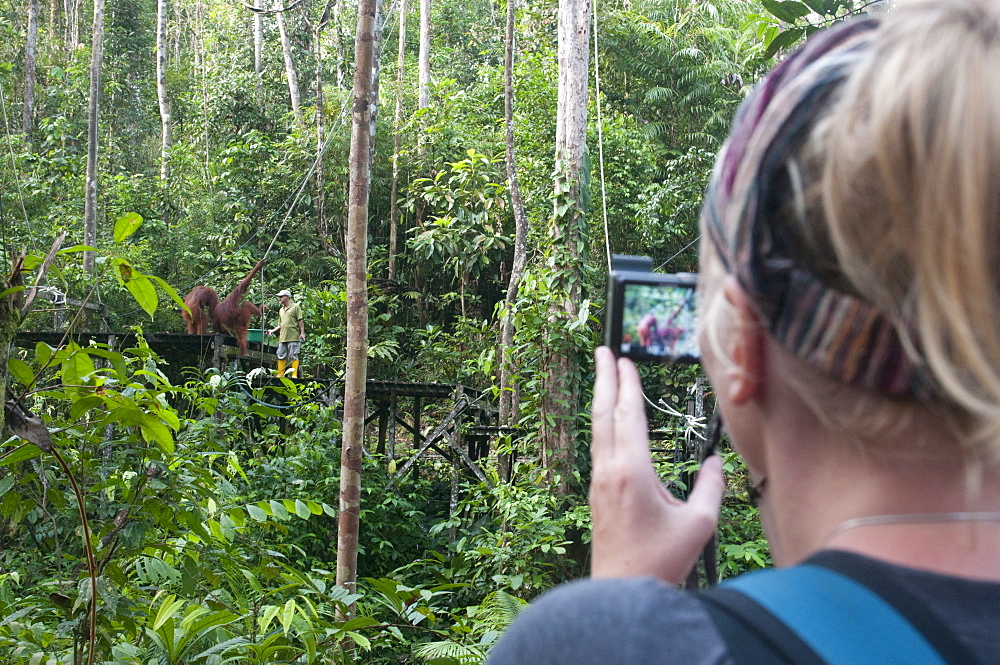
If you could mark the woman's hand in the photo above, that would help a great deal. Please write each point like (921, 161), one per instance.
(640, 528)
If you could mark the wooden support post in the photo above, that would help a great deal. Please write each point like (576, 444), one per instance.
(418, 408)
(440, 430)
(383, 425)
(218, 356)
(456, 476)
(392, 426)
(468, 462)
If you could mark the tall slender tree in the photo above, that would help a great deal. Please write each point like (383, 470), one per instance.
(72, 11)
(508, 391)
(55, 16)
(258, 52)
(321, 223)
(397, 140)
(166, 123)
(357, 298)
(290, 71)
(30, 68)
(341, 48)
(424, 56)
(93, 125)
(568, 233)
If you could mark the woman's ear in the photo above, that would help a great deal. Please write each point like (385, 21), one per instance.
(747, 346)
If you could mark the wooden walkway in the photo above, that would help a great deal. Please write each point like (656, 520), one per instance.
(457, 422)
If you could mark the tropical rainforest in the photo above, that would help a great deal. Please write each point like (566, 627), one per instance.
(155, 509)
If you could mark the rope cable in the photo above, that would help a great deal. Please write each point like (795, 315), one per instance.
(680, 251)
(600, 143)
(293, 197)
(14, 171)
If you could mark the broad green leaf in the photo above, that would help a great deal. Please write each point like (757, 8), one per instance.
(216, 530)
(360, 640)
(786, 10)
(265, 508)
(359, 622)
(117, 360)
(11, 290)
(75, 249)
(170, 418)
(83, 405)
(123, 270)
(288, 614)
(279, 510)
(302, 510)
(126, 225)
(169, 290)
(20, 454)
(228, 526)
(256, 513)
(43, 353)
(5, 484)
(168, 609)
(76, 366)
(126, 415)
(267, 616)
(142, 288)
(783, 40)
(21, 371)
(237, 517)
(156, 432)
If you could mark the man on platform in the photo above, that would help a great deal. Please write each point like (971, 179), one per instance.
(291, 332)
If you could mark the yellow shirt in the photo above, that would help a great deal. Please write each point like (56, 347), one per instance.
(288, 322)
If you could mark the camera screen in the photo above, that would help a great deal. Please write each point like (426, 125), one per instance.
(658, 320)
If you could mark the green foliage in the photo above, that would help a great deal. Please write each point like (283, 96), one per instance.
(464, 210)
(742, 545)
(209, 504)
(681, 68)
(788, 22)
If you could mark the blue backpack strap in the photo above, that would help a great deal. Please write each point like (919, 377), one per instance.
(841, 620)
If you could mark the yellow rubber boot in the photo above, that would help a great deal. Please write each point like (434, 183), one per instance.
(295, 369)
(281, 367)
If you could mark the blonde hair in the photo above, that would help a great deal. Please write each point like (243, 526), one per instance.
(895, 197)
(910, 192)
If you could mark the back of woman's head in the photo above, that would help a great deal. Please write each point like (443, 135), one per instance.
(858, 202)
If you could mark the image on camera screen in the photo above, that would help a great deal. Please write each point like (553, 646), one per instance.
(659, 320)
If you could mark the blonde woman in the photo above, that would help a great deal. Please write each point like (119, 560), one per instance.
(850, 324)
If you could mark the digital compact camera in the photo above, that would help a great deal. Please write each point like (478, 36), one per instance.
(651, 316)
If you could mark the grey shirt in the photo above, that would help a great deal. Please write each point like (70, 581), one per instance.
(642, 621)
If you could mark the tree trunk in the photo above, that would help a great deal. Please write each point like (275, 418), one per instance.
(339, 40)
(73, 23)
(258, 52)
(161, 88)
(508, 392)
(93, 123)
(375, 76)
(199, 39)
(568, 235)
(55, 14)
(424, 56)
(290, 73)
(397, 139)
(30, 68)
(321, 226)
(357, 301)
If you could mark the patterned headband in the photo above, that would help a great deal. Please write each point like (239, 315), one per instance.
(831, 330)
